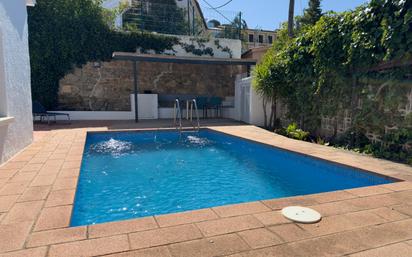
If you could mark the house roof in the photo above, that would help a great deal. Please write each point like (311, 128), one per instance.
(256, 49)
(261, 30)
(125, 56)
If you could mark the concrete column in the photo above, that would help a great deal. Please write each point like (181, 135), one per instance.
(15, 92)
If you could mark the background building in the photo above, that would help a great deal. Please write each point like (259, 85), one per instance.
(259, 38)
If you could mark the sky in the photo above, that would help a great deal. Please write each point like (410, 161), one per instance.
(269, 14)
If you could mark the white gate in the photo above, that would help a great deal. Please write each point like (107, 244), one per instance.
(248, 104)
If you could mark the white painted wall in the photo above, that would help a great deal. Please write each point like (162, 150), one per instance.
(15, 93)
(147, 106)
(234, 44)
(148, 110)
(257, 116)
(167, 113)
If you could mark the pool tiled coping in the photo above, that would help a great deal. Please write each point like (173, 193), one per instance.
(37, 189)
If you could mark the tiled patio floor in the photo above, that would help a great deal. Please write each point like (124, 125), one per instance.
(37, 190)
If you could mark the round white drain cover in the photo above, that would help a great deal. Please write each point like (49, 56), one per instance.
(301, 214)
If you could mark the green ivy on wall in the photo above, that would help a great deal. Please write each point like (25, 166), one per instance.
(357, 62)
(199, 48)
(64, 34)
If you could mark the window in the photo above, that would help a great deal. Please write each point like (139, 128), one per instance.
(251, 38)
(261, 39)
(270, 39)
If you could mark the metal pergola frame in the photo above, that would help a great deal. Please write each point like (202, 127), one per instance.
(136, 57)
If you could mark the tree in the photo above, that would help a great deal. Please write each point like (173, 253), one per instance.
(269, 76)
(291, 17)
(232, 30)
(162, 16)
(336, 69)
(110, 15)
(313, 13)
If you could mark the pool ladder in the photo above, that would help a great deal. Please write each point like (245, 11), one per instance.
(193, 105)
(178, 117)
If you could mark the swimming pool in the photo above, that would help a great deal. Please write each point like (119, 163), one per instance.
(127, 175)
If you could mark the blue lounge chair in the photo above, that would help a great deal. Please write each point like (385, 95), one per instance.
(215, 103)
(202, 104)
(42, 113)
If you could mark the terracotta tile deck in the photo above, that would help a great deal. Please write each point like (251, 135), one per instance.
(37, 190)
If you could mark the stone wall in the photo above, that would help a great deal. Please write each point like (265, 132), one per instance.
(106, 86)
(340, 124)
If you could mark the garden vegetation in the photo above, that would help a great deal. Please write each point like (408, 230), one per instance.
(355, 65)
(64, 34)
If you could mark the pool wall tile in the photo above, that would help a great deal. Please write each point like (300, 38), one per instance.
(122, 227)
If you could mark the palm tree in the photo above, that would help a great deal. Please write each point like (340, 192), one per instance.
(291, 16)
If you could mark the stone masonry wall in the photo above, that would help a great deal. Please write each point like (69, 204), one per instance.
(106, 86)
(344, 122)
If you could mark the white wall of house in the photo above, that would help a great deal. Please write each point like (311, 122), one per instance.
(16, 127)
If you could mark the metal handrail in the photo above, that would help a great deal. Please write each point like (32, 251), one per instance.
(177, 113)
(194, 104)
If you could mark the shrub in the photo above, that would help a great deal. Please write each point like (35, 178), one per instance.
(293, 131)
(395, 146)
(355, 65)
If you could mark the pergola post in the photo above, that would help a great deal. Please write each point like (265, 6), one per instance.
(135, 82)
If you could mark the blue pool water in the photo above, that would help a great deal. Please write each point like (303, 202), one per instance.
(127, 175)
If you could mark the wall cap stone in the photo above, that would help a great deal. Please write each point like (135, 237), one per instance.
(4, 121)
